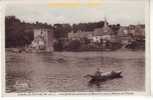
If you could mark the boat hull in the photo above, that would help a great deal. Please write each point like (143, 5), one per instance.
(104, 77)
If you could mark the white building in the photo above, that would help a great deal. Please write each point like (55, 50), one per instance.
(103, 33)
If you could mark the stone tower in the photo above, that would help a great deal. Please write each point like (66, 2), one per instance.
(43, 39)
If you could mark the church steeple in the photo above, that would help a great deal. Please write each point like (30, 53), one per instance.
(105, 22)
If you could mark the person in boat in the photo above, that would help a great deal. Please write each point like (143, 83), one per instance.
(97, 77)
(113, 72)
(98, 73)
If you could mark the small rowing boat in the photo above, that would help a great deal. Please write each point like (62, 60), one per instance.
(94, 79)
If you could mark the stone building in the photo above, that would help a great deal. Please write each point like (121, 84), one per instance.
(103, 33)
(43, 40)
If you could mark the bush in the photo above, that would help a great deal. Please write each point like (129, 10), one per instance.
(58, 46)
(74, 45)
(136, 45)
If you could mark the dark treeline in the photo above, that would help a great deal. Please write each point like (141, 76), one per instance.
(19, 33)
(61, 30)
(87, 26)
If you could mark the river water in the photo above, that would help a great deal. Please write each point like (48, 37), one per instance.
(64, 71)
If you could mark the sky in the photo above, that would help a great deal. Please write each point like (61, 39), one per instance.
(124, 12)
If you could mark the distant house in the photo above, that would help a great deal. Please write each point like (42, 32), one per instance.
(138, 31)
(103, 33)
(124, 35)
(43, 39)
(123, 32)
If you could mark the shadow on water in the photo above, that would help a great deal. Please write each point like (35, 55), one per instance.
(98, 84)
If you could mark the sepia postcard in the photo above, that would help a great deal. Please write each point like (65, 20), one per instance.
(85, 47)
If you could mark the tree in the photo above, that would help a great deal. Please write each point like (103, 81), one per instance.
(62, 30)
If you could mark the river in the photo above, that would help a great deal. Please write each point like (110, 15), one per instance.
(64, 71)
